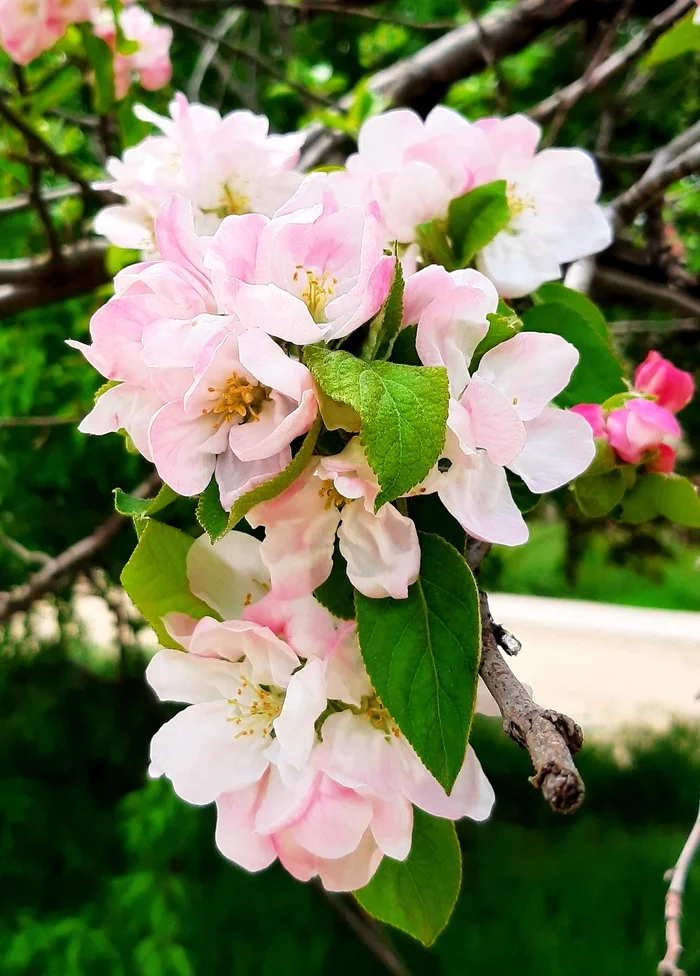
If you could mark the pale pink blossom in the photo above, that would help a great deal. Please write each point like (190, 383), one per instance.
(672, 387)
(499, 415)
(413, 168)
(639, 427)
(246, 403)
(336, 494)
(316, 273)
(552, 195)
(30, 27)
(595, 415)
(229, 165)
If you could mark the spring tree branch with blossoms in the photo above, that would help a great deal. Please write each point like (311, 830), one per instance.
(362, 377)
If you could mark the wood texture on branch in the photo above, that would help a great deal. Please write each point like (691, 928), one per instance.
(53, 573)
(549, 737)
(607, 69)
(674, 903)
(33, 282)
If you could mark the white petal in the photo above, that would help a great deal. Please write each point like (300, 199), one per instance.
(559, 447)
(382, 550)
(227, 574)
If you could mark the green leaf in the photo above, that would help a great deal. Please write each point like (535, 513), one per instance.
(211, 514)
(605, 458)
(101, 60)
(503, 325)
(57, 90)
(386, 324)
(156, 577)
(275, 486)
(555, 291)
(620, 399)
(522, 496)
(418, 895)
(473, 220)
(337, 594)
(680, 39)
(434, 244)
(599, 373)
(403, 410)
(404, 350)
(669, 495)
(335, 415)
(422, 655)
(598, 494)
(138, 507)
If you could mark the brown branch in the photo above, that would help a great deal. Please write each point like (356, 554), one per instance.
(21, 552)
(52, 575)
(52, 421)
(549, 737)
(32, 282)
(674, 904)
(369, 932)
(609, 283)
(642, 194)
(18, 204)
(590, 80)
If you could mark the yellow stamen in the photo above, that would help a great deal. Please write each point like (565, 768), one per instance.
(240, 399)
(317, 292)
(331, 495)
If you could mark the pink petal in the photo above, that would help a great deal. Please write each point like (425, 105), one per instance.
(304, 701)
(236, 837)
(382, 550)
(559, 447)
(495, 425)
(392, 826)
(476, 492)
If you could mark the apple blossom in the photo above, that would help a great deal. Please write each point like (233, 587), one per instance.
(150, 62)
(30, 27)
(316, 273)
(499, 416)
(228, 165)
(640, 426)
(337, 494)
(552, 196)
(327, 790)
(672, 387)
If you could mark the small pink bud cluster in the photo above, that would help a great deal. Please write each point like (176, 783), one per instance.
(645, 431)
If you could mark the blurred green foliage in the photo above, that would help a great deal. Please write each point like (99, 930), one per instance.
(102, 874)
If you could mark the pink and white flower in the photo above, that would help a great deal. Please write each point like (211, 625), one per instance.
(316, 273)
(246, 403)
(639, 427)
(30, 27)
(552, 195)
(499, 415)
(336, 494)
(150, 63)
(229, 165)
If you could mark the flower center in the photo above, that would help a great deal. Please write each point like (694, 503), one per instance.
(378, 715)
(317, 292)
(254, 709)
(332, 496)
(239, 399)
(231, 202)
(519, 203)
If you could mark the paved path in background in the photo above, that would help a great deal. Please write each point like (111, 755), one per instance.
(604, 665)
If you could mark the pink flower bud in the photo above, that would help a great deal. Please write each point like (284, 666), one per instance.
(593, 413)
(672, 387)
(664, 461)
(639, 427)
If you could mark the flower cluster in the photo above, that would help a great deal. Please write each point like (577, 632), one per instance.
(291, 350)
(30, 27)
(644, 429)
(285, 733)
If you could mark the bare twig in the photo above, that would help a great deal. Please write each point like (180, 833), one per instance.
(665, 326)
(369, 932)
(15, 205)
(26, 555)
(674, 903)
(53, 573)
(549, 737)
(36, 421)
(179, 20)
(651, 186)
(209, 50)
(35, 142)
(611, 282)
(591, 80)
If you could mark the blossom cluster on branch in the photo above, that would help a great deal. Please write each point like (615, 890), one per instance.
(322, 356)
(138, 47)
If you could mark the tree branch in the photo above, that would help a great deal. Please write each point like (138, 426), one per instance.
(651, 186)
(18, 204)
(549, 737)
(591, 80)
(674, 903)
(52, 574)
(32, 282)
